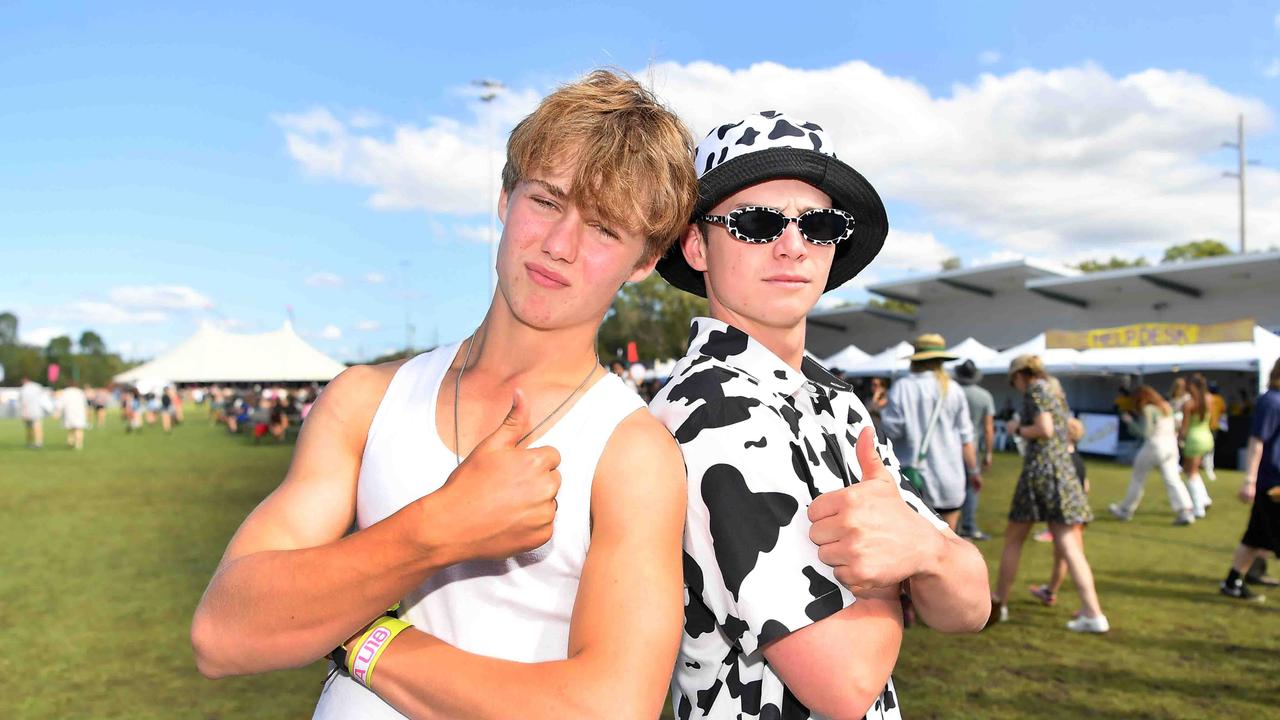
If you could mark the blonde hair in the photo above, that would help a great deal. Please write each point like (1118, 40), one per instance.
(1075, 430)
(934, 365)
(632, 158)
(1274, 383)
(1029, 365)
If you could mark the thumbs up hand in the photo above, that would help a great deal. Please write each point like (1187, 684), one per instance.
(502, 499)
(868, 534)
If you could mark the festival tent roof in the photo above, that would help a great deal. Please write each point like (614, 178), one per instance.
(1258, 355)
(851, 355)
(971, 349)
(214, 355)
(1056, 360)
(888, 362)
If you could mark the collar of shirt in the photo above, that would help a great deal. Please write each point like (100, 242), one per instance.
(721, 341)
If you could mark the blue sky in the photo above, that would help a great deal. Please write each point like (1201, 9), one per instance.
(165, 167)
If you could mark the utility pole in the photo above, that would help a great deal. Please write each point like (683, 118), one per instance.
(1239, 174)
(489, 91)
(407, 297)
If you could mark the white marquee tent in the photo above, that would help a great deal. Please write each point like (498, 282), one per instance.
(214, 355)
(846, 358)
(1256, 356)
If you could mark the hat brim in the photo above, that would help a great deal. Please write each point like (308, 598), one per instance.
(932, 355)
(849, 191)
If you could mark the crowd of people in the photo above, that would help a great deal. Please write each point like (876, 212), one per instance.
(261, 412)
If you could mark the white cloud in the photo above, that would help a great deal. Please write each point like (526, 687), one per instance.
(1272, 69)
(989, 57)
(368, 325)
(444, 166)
(915, 251)
(331, 332)
(159, 297)
(41, 336)
(1047, 163)
(324, 279)
(473, 233)
(94, 312)
(234, 324)
(375, 278)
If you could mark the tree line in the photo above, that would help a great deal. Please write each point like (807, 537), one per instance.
(86, 360)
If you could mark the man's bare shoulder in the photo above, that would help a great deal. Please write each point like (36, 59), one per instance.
(348, 403)
(641, 447)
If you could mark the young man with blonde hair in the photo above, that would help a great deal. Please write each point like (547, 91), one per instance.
(799, 534)
(492, 482)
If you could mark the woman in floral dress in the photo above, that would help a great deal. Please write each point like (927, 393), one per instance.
(1047, 491)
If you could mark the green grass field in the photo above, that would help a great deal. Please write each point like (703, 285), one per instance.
(104, 554)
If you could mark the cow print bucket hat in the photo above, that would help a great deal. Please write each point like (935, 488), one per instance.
(769, 146)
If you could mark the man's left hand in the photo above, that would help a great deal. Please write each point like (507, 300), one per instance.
(868, 533)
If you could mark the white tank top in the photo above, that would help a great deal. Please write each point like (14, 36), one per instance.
(516, 609)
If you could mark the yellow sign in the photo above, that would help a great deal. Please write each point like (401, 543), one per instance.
(1148, 334)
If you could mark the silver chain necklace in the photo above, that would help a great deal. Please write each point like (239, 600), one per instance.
(457, 393)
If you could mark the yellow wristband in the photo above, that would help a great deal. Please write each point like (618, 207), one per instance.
(366, 653)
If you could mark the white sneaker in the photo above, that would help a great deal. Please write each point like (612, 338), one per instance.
(1086, 624)
(1119, 512)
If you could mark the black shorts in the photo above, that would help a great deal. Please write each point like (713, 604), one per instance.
(944, 511)
(1264, 524)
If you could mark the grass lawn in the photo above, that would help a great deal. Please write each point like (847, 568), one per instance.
(104, 554)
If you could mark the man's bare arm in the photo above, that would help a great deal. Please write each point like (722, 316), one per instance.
(873, 540)
(626, 620)
(838, 665)
(290, 588)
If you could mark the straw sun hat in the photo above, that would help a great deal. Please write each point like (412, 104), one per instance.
(930, 346)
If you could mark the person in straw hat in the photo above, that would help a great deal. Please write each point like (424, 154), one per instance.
(1047, 491)
(799, 535)
(928, 420)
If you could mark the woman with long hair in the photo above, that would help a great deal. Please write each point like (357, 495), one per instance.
(1159, 451)
(1047, 491)
(928, 421)
(1197, 441)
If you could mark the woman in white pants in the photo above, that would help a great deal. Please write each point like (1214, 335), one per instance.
(1159, 451)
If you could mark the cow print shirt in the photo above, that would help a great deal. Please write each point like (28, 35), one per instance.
(760, 442)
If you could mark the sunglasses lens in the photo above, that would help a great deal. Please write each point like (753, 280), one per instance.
(823, 227)
(760, 224)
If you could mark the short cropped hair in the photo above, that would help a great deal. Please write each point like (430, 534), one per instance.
(632, 157)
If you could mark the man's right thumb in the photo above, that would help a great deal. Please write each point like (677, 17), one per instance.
(515, 424)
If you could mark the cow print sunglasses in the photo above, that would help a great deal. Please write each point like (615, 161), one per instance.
(760, 224)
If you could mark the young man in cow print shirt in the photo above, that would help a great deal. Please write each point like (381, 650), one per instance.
(800, 533)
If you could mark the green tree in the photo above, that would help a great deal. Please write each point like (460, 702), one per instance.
(8, 328)
(1115, 263)
(891, 305)
(951, 263)
(653, 315)
(1194, 250)
(59, 349)
(91, 343)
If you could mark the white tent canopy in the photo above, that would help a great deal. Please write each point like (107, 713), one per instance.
(1256, 356)
(214, 355)
(1056, 360)
(888, 362)
(845, 358)
(971, 349)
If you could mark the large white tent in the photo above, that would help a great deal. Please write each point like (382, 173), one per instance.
(217, 356)
(971, 349)
(887, 363)
(1056, 360)
(851, 355)
(1255, 356)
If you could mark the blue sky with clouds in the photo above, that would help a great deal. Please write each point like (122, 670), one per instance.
(164, 167)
